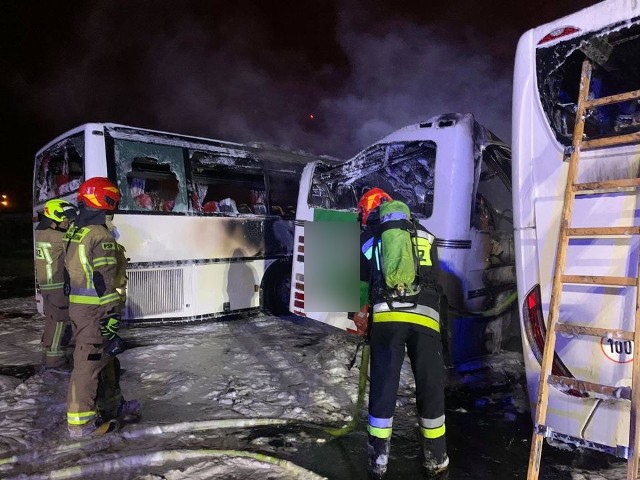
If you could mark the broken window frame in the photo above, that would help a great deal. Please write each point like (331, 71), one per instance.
(558, 68)
(159, 163)
(240, 183)
(70, 153)
(492, 200)
(341, 187)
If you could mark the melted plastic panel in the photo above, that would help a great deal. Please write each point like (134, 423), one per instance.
(150, 177)
(614, 53)
(59, 170)
(405, 168)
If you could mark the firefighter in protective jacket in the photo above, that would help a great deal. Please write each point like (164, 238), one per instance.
(397, 326)
(94, 399)
(49, 260)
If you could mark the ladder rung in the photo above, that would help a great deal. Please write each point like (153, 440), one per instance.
(607, 185)
(611, 141)
(597, 280)
(621, 97)
(596, 389)
(593, 231)
(594, 331)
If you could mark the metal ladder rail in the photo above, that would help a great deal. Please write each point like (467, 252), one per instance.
(554, 326)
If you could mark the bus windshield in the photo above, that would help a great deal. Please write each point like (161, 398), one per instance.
(614, 53)
(405, 168)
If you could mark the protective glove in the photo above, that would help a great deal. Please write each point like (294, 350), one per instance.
(109, 326)
(114, 346)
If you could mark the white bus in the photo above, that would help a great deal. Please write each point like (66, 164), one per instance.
(546, 84)
(207, 225)
(455, 176)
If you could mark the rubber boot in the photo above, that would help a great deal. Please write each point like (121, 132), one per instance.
(378, 456)
(93, 428)
(436, 461)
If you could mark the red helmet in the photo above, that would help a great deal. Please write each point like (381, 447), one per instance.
(371, 200)
(99, 193)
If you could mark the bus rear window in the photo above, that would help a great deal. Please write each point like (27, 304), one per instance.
(59, 169)
(615, 56)
(404, 169)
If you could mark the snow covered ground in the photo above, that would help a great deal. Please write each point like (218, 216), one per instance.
(252, 398)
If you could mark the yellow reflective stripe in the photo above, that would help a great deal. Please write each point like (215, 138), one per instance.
(112, 297)
(88, 271)
(84, 299)
(51, 286)
(44, 249)
(379, 432)
(80, 418)
(100, 262)
(406, 317)
(94, 300)
(54, 349)
(433, 432)
(76, 235)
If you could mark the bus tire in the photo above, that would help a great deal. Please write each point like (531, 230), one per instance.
(276, 289)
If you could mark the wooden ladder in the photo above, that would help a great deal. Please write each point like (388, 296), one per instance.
(540, 430)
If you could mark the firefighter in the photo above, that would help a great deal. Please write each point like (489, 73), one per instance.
(94, 399)
(49, 253)
(415, 329)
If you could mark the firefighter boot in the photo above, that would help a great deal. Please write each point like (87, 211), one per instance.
(93, 428)
(378, 456)
(436, 461)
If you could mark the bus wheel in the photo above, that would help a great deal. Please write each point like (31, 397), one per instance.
(276, 289)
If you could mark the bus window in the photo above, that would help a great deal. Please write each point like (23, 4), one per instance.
(282, 198)
(150, 177)
(152, 186)
(226, 185)
(613, 55)
(59, 169)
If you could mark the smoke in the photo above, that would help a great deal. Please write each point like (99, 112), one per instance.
(231, 75)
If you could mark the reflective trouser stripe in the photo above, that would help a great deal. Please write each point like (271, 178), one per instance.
(406, 317)
(432, 427)
(380, 427)
(432, 433)
(80, 418)
(379, 432)
(54, 350)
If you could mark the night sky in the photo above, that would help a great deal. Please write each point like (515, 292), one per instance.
(254, 70)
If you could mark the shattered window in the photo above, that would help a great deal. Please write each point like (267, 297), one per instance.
(150, 177)
(405, 170)
(615, 57)
(59, 169)
(225, 185)
(493, 204)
